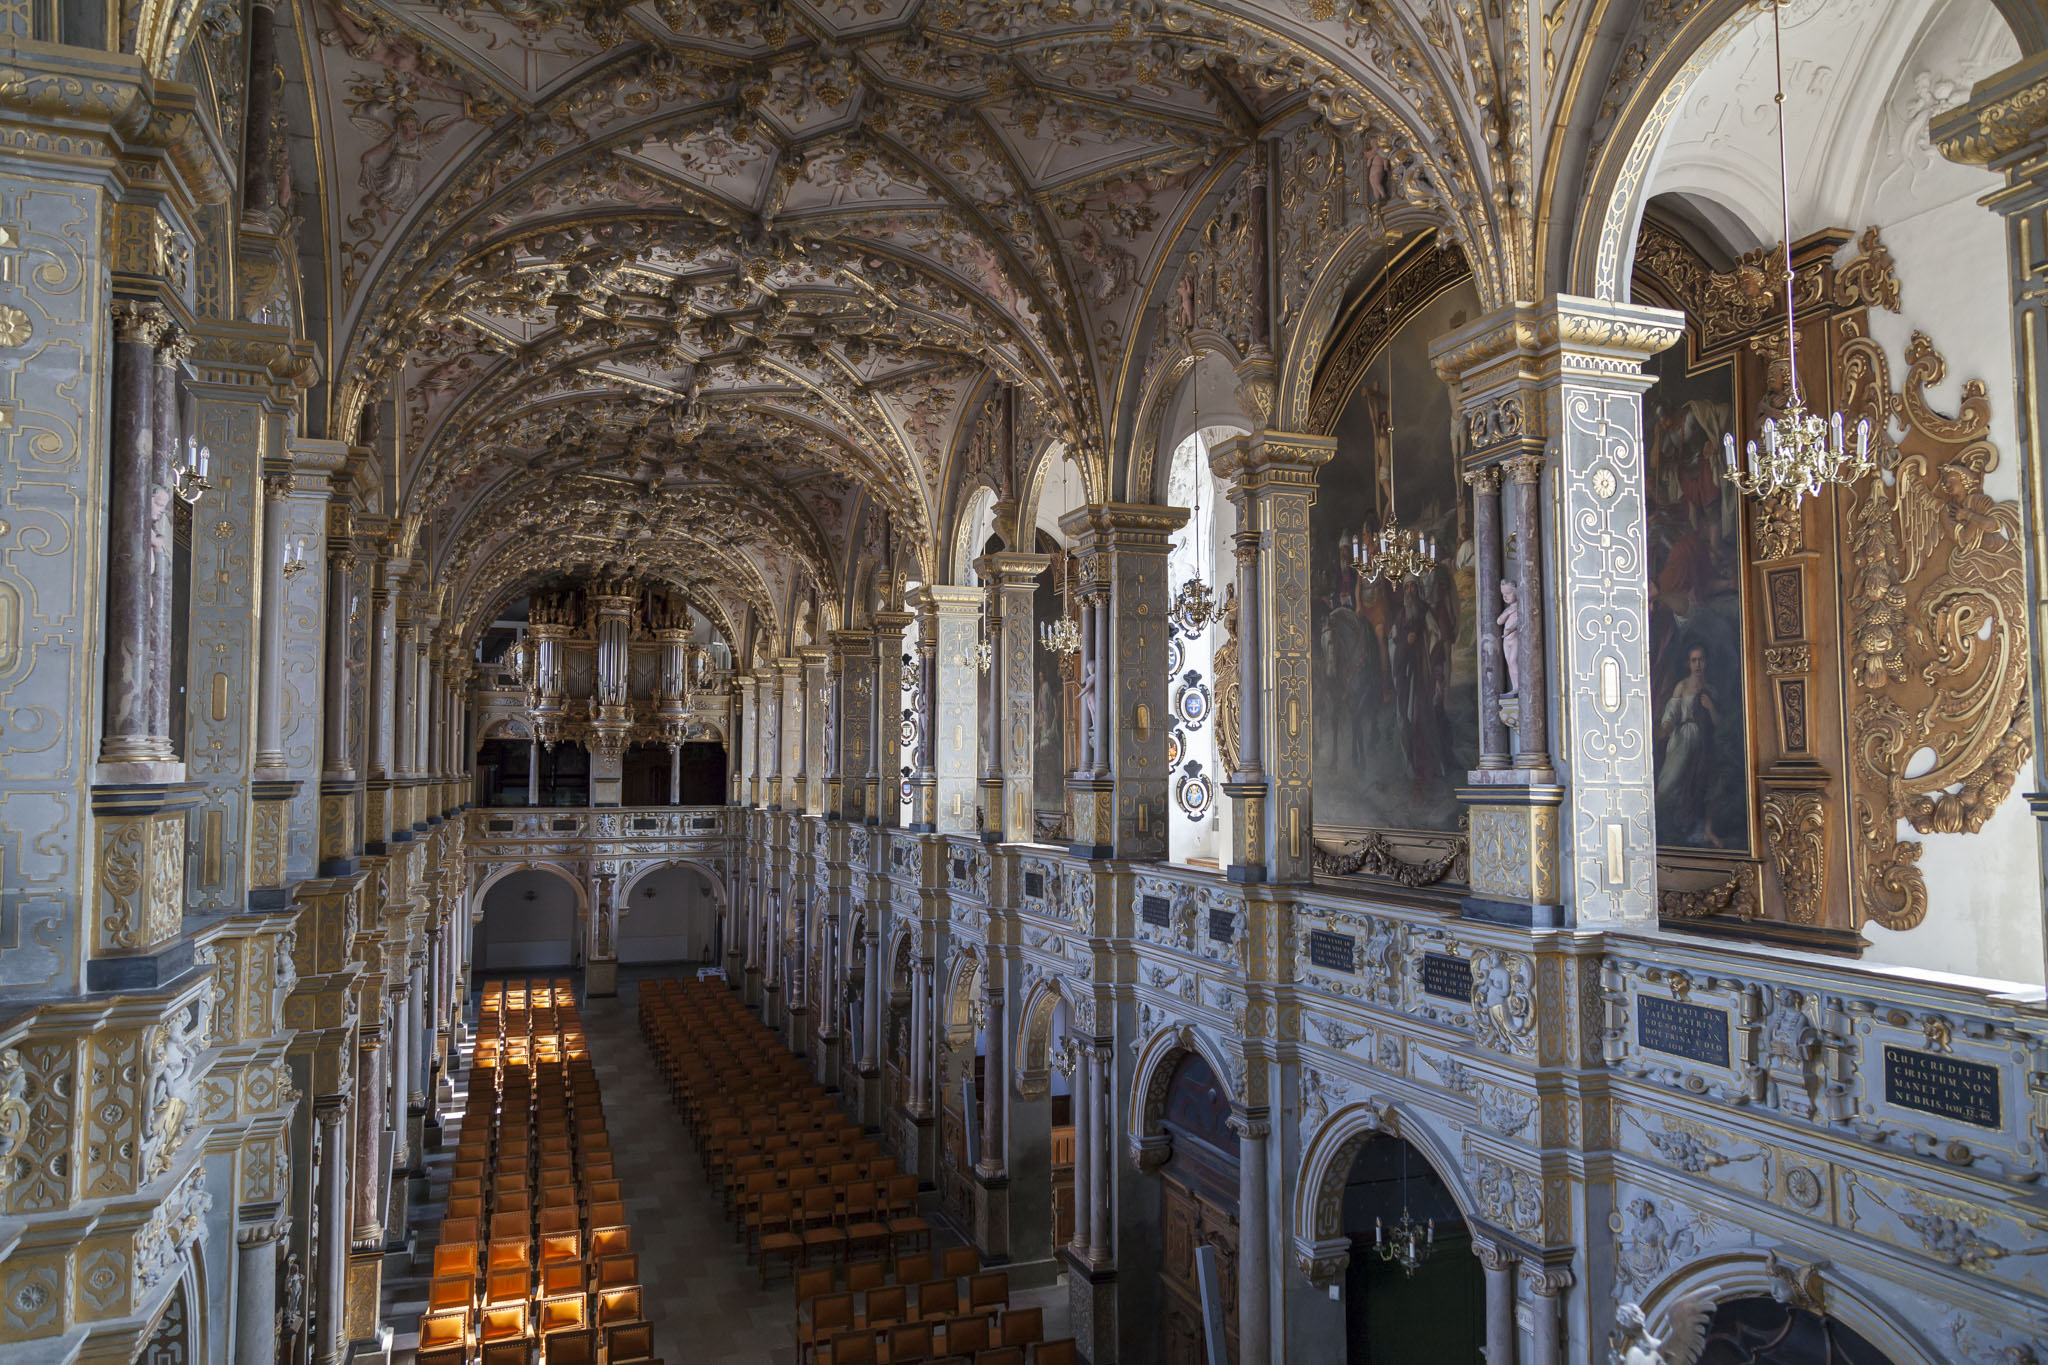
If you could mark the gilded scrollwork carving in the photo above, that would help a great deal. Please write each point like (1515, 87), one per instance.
(1795, 822)
(1374, 855)
(1937, 636)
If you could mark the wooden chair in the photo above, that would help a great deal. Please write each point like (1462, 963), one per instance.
(508, 1286)
(561, 1246)
(819, 1214)
(1023, 1326)
(938, 1299)
(862, 1276)
(618, 1305)
(457, 1230)
(511, 1351)
(441, 1355)
(914, 1268)
(564, 1277)
(446, 1293)
(851, 1348)
(1000, 1355)
(628, 1341)
(989, 1290)
(509, 1254)
(458, 1259)
(611, 1215)
(910, 1342)
(831, 1314)
(965, 1336)
(563, 1313)
(467, 1206)
(616, 1272)
(505, 1226)
(503, 1322)
(578, 1347)
(446, 1329)
(1064, 1351)
(811, 1284)
(887, 1305)
(959, 1262)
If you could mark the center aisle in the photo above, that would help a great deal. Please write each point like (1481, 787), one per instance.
(702, 1296)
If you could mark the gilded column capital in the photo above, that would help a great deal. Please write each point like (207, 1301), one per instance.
(2006, 114)
(138, 321)
(1486, 479)
(1525, 468)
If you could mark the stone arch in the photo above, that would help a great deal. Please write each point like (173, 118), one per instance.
(1158, 430)
(1750, 1273)
(966, 974)
(641, 869)
(1320, 1245)
(1040, 465)
(1033, 1052)
(960, 562)
(1362, 254)
(1154, 1076)
(504, 870)
(177, 1334)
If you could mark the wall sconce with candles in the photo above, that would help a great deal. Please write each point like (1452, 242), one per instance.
(188, 479)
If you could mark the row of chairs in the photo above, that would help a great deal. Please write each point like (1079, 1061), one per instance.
(806, 1189)
(535, 1264)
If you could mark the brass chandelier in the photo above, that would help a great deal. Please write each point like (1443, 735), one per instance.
(1802, 451)
(1398, 553)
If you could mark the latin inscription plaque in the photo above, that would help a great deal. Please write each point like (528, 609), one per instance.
(1222, 925)
(1034, 884)
(1447, 977)
(1156, 911)
(1945, 1086)
(1332, 952)
(1697, 1033)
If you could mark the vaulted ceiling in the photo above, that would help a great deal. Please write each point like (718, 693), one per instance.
(717, 288)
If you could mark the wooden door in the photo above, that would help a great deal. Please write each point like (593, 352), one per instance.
(1189, 1219)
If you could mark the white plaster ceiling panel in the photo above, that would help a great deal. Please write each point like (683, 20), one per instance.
(1125, 73)
(846, 18)
(810, 95)
(526, 57)
(729, 29)
(1851, 66)
(926, 64)
(713, 159)
(846, 177)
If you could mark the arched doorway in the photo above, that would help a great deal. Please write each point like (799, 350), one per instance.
(1197, 1207)
(1432, 1312)
(1762, 1331)
(669, 913)
(529, 921)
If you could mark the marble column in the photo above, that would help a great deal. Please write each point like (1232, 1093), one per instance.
(921, 1039)
(277, 489)
(1493, 731)
(335, 705)
(259, 192)
(675, 774)
(256, 1288)
(990, 798)
(1082, 1051)
(1101, 1066)
(405, 701)
(434, 725)
(170, 359)
(771, 734)
(139, 328)
(1532, 715)
(370, 1174)
(330, 1278)
(1500, 1300)
(416, 1014)
(1254, 1242)
(398, 1076)
(383, 643)
(995, 1087)
(1547, 1285)
(872, 991)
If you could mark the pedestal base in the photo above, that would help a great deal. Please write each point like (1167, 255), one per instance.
(992, 1217)
(1091, 1308)
(600, 979)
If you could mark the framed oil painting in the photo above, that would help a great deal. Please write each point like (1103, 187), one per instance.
(1696, 623)
(1395, 673)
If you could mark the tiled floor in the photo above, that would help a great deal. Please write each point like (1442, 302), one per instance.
(700, 1293)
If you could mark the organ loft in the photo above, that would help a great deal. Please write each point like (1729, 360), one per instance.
(991, 682)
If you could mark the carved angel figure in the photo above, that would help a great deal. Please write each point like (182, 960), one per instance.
(391, 167)
(1087, 707)
(1632, 1343)
(1229, 686)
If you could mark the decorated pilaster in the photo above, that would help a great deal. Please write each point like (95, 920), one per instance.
(611, 724)
(789, 723)
(852, 730)
(817, 706)
(743, 767)
(1271, 479)
(1123, 680)
(1013, 579)
(947, 625)
(1555, 389)
(885, 804)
